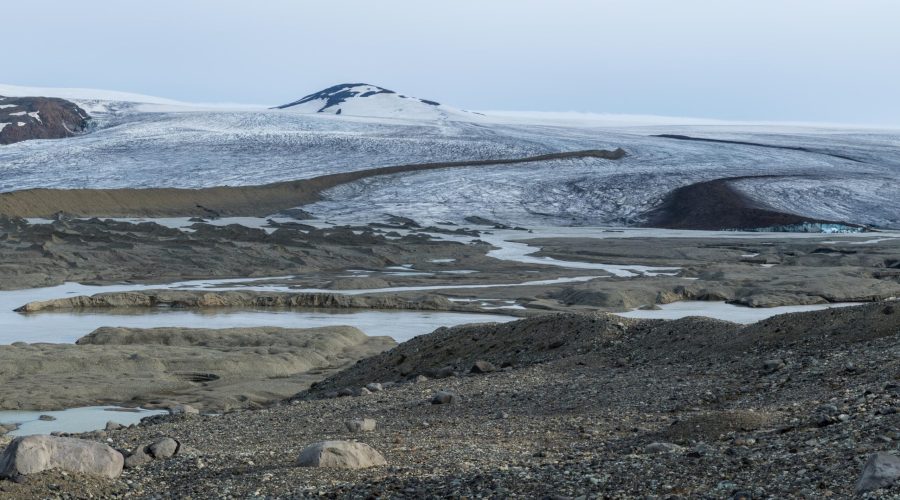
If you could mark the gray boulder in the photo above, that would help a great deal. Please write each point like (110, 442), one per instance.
(33, 454)
(113, 426)
(443, 372)
(184, 410)
(375, 387)
(161, 449)
(772, 365)
(360, 425)
(165, 447)
(340, 455)
(482, 366)
(443, 398)
(881, 470)
(138, 458)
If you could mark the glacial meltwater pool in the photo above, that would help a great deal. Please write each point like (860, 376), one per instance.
(724, 311)
(85, 419)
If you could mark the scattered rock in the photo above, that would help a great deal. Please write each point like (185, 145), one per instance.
(33, 454)
(47, 418)
(341, 455)
(772, 365)
(184, 410)
(881, 470)
(162, 448)
(482, 366)
(444, 372)
(137, 458)
(443, 398)
(662, 448)
(375, 387)
(360, 425)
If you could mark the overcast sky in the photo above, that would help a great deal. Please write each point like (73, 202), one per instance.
(801, 60)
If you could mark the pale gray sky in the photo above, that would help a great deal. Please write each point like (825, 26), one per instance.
(799, 60)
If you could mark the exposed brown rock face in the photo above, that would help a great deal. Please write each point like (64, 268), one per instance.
(26, 118)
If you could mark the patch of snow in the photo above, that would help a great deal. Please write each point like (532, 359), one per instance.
(78, 93)
(19, 113)
(36, 115)
(4, 106)
(3, 125)
(21, 124)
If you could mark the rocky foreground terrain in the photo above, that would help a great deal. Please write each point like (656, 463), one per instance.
(558, 406)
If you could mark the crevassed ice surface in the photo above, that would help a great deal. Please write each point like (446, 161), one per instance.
(134, 147)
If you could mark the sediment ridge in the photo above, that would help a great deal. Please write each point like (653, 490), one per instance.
(246, 299)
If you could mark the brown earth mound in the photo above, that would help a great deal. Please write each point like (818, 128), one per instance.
(27, 118)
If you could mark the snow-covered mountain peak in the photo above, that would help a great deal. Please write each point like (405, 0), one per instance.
(363, 99)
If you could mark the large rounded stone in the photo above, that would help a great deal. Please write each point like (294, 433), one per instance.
(33, 454)
(882, 469)
(340, 455)
(165, 447)
(360, 425)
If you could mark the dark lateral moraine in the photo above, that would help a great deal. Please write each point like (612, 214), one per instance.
(716, 205)
(26, 118)
(757, 144)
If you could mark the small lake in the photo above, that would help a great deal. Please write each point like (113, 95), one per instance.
(85, 419)
(66, 326)
(723, 311)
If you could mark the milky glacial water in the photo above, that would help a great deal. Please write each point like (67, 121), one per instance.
(84, 419)
(727, 312)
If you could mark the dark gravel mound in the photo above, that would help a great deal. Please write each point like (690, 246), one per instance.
(716, 205)
(617, 340)
(758, 144)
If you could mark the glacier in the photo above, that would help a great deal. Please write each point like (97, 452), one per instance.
(836, 174)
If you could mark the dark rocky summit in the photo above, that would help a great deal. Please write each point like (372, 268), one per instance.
(331, 98)
(26, 118)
